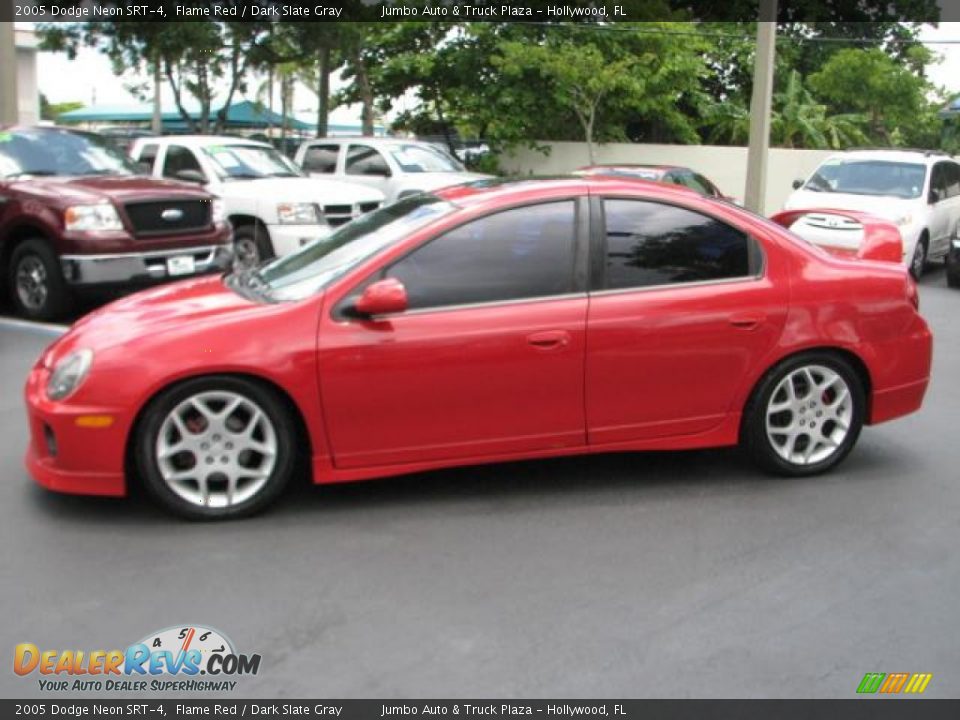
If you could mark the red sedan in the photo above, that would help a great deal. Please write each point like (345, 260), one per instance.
(483, 323)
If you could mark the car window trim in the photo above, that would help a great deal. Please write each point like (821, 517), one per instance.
(598, 235)
(579, 274)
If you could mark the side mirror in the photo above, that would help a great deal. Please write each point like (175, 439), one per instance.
(798, 183)
(191, 176)
(382, 298)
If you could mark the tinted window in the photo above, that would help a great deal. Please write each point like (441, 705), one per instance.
(363, 160)
(148, 154)
(179, 158)
(709, 187)
(653, 244)
(521, 253)
(952, 178)
(321, 158)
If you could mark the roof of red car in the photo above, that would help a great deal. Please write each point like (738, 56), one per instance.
(483, 191)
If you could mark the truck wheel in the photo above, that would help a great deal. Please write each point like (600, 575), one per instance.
(251, 247)
(919, 260)
(36, 282)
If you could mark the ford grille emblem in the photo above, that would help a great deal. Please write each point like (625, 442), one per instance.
(172, 214)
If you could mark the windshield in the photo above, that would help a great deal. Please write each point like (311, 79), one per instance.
(306, 271)
(250, 161)
(423, 159)
(39, 151)
(869, 177)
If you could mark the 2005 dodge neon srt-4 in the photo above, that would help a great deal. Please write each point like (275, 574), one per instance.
(485, 322)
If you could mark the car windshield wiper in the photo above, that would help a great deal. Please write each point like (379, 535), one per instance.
(252, 283)
(243, 176)
(284, 174)
(101, 171)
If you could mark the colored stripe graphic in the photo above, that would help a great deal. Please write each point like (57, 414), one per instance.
(871, 683)
(894, 683)
(918, 683)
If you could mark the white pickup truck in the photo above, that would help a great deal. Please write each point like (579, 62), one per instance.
(395, 166)
(273, 206)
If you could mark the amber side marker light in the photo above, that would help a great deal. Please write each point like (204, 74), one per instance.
(94, 421)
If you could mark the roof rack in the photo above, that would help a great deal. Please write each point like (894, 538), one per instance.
(925, 151)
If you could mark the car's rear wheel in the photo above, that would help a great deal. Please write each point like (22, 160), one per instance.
(216, 448)
(806, 415)
(251, 247)
(36, 283)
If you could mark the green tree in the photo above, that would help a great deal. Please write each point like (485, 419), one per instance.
(891, 95)
(51, 111)
(800, 121)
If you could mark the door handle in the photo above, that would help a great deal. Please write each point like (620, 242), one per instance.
(747, 321)
(549, 339)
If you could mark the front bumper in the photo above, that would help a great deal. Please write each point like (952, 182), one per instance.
(65, 453)
(290, 238)
(140, 267)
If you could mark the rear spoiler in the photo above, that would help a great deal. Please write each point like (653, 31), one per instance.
(881, 238)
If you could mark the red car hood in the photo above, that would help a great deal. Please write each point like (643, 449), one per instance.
(65, 190)
(177, 309)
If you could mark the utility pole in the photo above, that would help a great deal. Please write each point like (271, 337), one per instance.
(156, 122)
(9, 98)
(760, 107)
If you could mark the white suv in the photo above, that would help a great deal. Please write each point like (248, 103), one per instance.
(918, 190)
(394, 166)
(274, 208)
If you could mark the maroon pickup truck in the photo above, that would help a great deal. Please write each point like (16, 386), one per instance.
(75, 216)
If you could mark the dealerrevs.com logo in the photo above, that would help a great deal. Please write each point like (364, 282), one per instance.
(179, 659)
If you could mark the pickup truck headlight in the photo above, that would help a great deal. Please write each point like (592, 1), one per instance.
(103, 216)
(298, 214)
(218, 211)
(69, 373)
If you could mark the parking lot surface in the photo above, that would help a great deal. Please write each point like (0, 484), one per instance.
(633, 575)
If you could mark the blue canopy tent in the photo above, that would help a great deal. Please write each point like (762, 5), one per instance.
(245, 115)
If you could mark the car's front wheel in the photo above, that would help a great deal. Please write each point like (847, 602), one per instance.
(806, 415)
(251, 247)
(36, 283)
(216, 448)
(919, 261)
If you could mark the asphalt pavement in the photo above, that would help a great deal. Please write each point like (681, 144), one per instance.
(632, 575)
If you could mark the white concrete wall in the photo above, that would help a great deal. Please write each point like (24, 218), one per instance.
(725, 166)
(28, 92)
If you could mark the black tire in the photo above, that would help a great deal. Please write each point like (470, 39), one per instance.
(953, 278)
(251, 246)
(920, 255)
(148, 430)
(755, 439)
(49, 297)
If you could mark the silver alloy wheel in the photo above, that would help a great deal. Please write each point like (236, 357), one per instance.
(32, 287)
(216, 449)
(919, 259)
(809, 415)
(246, 254)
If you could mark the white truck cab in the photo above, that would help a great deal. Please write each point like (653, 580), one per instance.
(273, 206)
(394, 166)
(919, 190)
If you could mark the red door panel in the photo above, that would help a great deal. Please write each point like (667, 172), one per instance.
(459, 382)
(668, 361)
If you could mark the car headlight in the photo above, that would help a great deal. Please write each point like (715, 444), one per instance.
(103, 216)
(904, 220)
(69, 373)
(298, 214)
(218, 211)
